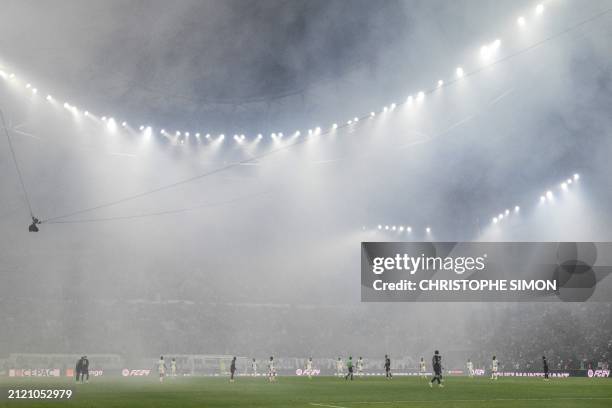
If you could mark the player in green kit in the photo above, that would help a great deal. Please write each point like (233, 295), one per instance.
(349, 365)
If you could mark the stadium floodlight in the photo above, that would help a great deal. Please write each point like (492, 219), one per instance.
(379, 226)
(459, 72)
(409, 229)
(177, 133)
(86, 113)
(549, 195)
(440, 83)
(401, 228)
(317, 129)
(496, 44)
(198, 135)
(141, 128)
(539, 9)
(259, 136)
(350, 122)
(49, 98)
(393, 106)
(542, 199)
(66, 105)
(356, 119)
(386, 227)
(335, 126)
(34, 91)
(28, 86)
(500, 216)
(372, 114)
(420, 96)
(521, 21)
(124, 124)
(577, 176)
(187, 134)
(564, 185)
(428, 230)
(111, 125)
(393, 228)
(104, 118)
(517, 208)
(494, 220)
(384, 108)
(163, 131)
(507, 212)
(222, 137)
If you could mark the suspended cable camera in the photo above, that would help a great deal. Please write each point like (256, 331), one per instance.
(33, 226)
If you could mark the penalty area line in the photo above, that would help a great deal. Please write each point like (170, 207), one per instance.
(326, 405)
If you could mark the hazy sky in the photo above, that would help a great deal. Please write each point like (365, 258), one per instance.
(287, 227)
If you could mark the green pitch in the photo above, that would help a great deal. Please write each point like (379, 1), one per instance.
(326, 392)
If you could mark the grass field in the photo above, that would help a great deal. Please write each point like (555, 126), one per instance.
(326, 392)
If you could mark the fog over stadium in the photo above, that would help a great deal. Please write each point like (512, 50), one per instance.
(256, 249)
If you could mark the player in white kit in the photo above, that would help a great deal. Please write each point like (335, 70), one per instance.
(173, 367)
(309, 367)
(360, 366)
(422, 368)
(161, 369)
(494, 368)
(271, 370)
(339, 368)
(254, 368)
(470, 368)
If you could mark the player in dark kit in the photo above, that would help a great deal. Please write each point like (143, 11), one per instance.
(84, 369)
(545, 366)
(388, 374)
(77, 369)
(232, 369)
(436, 362)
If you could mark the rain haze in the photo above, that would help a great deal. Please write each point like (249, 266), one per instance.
(181, 231)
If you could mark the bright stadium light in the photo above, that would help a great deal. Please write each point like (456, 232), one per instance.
(86, 113)
(564, 186)
(386, 227)
(542, 198)
(521, 21)
(507, 212)
(401, 228)
(49, 98)
(496, 44)
(335, 126)
(420, 96)
(577, 176)
(517, 208)
(549, 195)
(393, 228)
(440, 83)
(459, 72)
(428, 230)
(379, 226)
(124, 124)
(111, 125)
(539, 9)
(409, 229)
(494, 220)
(34, 91)
(500, 216)
(372, 114)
